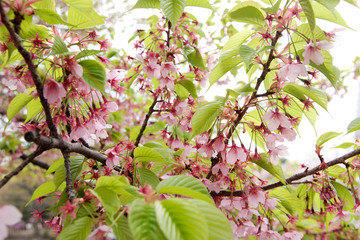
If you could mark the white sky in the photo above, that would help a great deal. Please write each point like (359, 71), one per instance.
(341, 111)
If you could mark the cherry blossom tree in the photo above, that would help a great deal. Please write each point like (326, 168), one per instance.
(130, 146)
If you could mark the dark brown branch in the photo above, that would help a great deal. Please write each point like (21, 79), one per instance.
(58, 143)
(32, 68)
(17, 170)
(264, 94)
(36, 162)
(69, 184)
(298, 176)
(145, 122)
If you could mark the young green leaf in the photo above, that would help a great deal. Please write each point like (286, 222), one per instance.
(43, 189)
(189, 86)
(81, 20)
(121, 229)
(75, 166)
(145, 154)
(94, 74)
(78, 230)
(329, 15)
(184, 185)
(354, 125)
(326, 137)
(109, 199)
(44, 4)
(345, 194)
(248, 12)
(231, 48)
(148, 177)
(59, 47)
(309, 13)
(85, 6)
(302, 92)
(142, 221)
(217, 223)
(50, 16)
(247, 54)
(223, 67)
(270, 168)
(18, 103)
(173, 9)
(199, 3)
(205, 116)
(174, 217)
(289, 201)
(195, 58)
(147, 4)
(34, 108)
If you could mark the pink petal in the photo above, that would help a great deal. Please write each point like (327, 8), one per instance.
(9, 215)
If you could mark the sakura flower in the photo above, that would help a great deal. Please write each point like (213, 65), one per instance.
(313, 53)
(9, 215)
(68, 209)
(168, 82)
(54, 92)
(219, 143)
(288, 133)
(99, 233)
(256, 196)
(292, 71)
(222, 167)
(271, 139)
(206, 150)
(166, 67)
(276, 119)
(14, 84)
(274, 154)
(342, 216)
(270, 235)
(235, 153)
(292, 235)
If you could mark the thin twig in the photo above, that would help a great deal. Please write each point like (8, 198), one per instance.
(298, 176)
(36, 162)
(143, 127)
(32, 68)
(17, 170)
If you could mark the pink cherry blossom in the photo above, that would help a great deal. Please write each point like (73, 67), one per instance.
(9, 215)
(274, 154)
(292, 71)
(313, 52)
(270, 235)
(54, 92)
(288, 133)
(342, 216)
(292, 235)
(167, 67)
(219, 143)
(256, 196)
(271, 139)
(168, 82)
(276, 119)
(235, 153)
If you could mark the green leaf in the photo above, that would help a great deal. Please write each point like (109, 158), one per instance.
(344, 193)
(274, 9)
(189, 86)
(85, 6)
(181, 92)
(17, 103)
(173, 9)
(44, 4)
(50, 16)
(112, 183)
(34, 108)
(59, 47)
(323, 12)
(82, 20)
(75, 166)
(145, 154)
(247, 54)
(327, 68)
(43, 189)
(302, 92)
(270, 168)
(231, 48)
(186, 186)
(204, 117)
(77, 230)
(142, 221)
(122, 229)
(248, 12)
(109, 199)
(179, 220)
(86, 53)
(194, 58)
(148, 177)
(345, 145)
(94, 74)
(217, 223)
(147, 4)
(223, 67)
(199, 3)
(326, 137)
(353, 2)
(55, 166)
(354, 125)
(309, 13)
(289, 201)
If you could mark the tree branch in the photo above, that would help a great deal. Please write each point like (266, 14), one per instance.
(298, 176)
(32, 68)
(69, 184)
(17, 170)
(59, 143)
(36, 162)
(143, 127)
